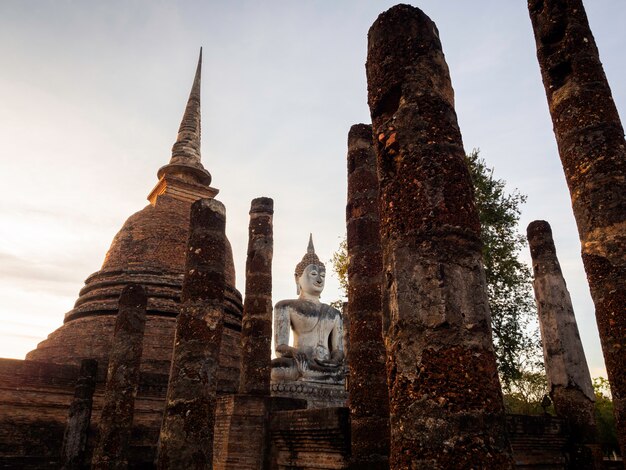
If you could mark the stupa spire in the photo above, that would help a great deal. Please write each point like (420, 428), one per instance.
(185, 159)
(187, 145)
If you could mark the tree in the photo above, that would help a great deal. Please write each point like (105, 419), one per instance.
(509, 285)
(528, 395)
(340, 268)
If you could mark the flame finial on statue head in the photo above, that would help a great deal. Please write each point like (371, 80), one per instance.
(309, 258)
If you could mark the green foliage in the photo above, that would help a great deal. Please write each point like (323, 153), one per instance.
(509, 286)
(338, 304)
(605, 418)
(340, 267)
(528, 395)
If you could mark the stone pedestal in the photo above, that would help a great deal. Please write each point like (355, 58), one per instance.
(311, 439)
(316, 394)
(241, 430)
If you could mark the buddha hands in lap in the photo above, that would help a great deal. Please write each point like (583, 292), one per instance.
(317, 351)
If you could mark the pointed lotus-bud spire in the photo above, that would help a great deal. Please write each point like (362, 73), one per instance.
(309, 258)
(186, 150)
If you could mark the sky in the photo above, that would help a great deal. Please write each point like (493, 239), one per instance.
(92, 93)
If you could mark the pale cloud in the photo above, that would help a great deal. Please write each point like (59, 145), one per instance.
(14, 267)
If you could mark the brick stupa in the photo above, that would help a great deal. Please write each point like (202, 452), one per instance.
(150, 250)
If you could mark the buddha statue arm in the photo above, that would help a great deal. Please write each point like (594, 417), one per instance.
(281, 331)
(282, 327)
(335, 338)
(336, 343)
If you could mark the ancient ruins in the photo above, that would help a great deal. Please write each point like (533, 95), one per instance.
(161, 365)
(367, 387)
(590, 138)
(569, 380)
(445, 401)
(116, 419)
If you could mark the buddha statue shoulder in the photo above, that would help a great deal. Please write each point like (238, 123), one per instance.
(316, 352)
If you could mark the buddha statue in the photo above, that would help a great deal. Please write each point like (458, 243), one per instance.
(317, 352)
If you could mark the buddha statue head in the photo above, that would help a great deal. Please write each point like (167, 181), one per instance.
(310, 273)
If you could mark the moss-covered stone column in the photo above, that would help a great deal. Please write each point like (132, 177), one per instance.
(569, 380)
(79, 417)
(186, 438)
(590, 138)
(116, 420)
(446, 404)
(368, 397)
(256, 326)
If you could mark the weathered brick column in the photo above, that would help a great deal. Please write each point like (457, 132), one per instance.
(446, 406)
(590, 138)
(79, 417)
(186, 438)
(256, 326)
(116, 421)
(566, 366)
(367, 388)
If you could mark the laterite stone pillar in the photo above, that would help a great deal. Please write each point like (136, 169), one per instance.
(590, 138)
(368, 397)
(79, 417)
(116, 421)
(186, 438)
(569, 380)
(446, 406)
(256, 326)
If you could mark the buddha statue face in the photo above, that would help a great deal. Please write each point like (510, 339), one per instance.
(312, 280)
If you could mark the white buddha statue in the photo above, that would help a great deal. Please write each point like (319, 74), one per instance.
(317, 351)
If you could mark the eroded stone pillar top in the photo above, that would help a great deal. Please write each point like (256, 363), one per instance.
(393, 35)
(262, 204)
(360, 131)
(542, 249)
